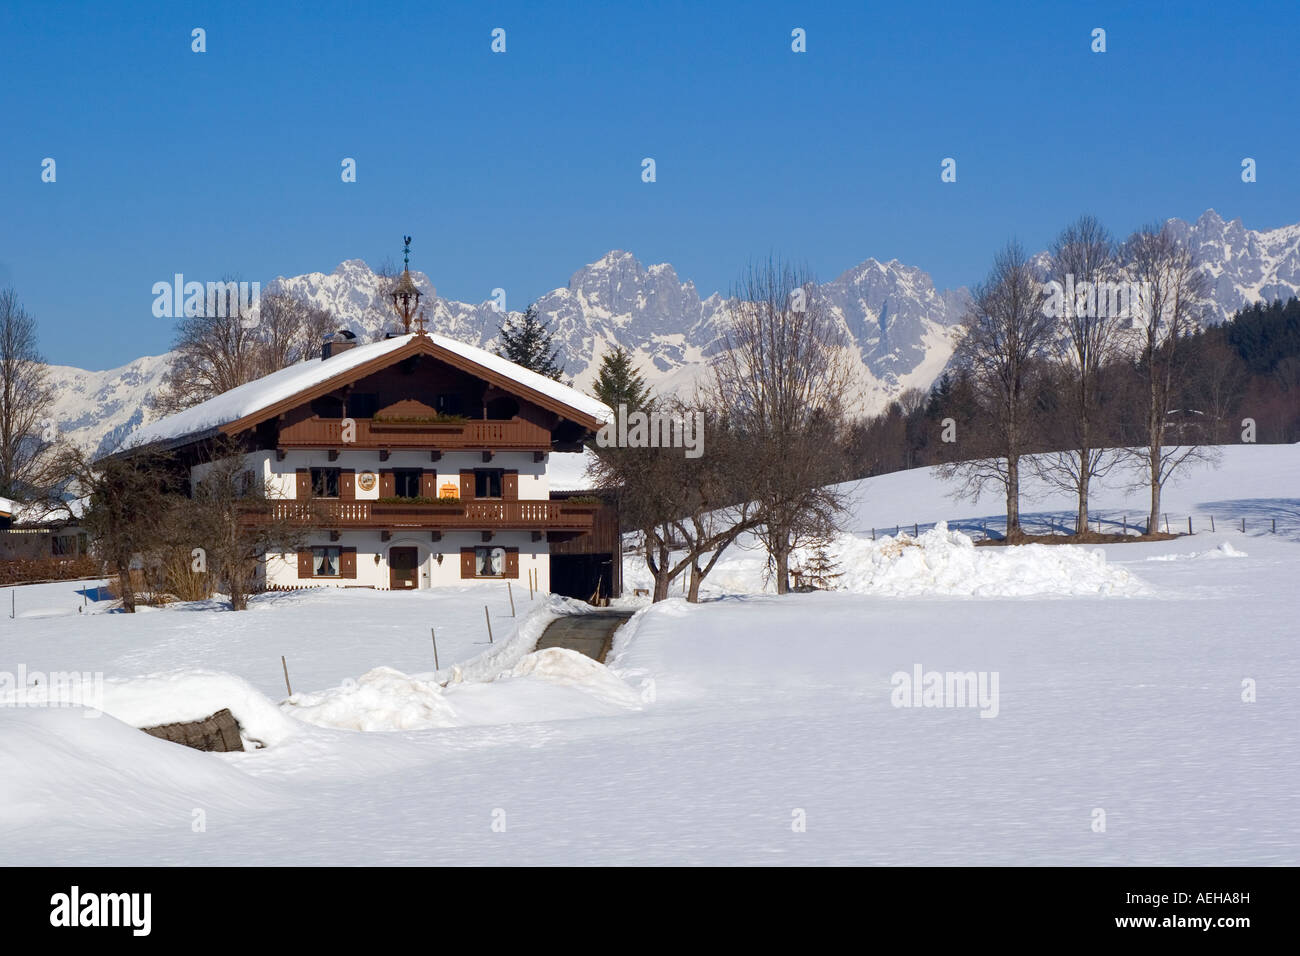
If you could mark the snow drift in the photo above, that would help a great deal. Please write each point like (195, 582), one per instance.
(943, 562)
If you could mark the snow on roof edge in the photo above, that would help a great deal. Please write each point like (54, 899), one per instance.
(252, 397)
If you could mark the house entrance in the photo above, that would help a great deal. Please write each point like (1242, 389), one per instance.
(403, 568)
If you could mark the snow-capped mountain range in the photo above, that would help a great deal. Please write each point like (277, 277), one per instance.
(901, 328)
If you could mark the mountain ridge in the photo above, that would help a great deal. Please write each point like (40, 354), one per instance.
(900, 326)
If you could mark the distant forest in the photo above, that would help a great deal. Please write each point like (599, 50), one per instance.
(1247, 367)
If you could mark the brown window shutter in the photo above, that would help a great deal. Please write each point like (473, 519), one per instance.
(347, 484)
(387, 488)
(429, 484)
(510, 486)
(304, 563)
(467, 486)
(466, 562)
(304, 482)
(347, 562)
(512, 562)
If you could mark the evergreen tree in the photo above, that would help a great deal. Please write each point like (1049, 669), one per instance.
(528, 342)
(619, 383)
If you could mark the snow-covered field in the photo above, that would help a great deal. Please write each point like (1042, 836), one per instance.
(1107, 687)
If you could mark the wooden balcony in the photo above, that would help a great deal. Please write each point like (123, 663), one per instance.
(492, 434)
(477, 515)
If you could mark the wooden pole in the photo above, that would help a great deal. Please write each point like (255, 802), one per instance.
(286, 675)
(433, 634)
(1275, 526)
(1126, 525)
(511, 594)
(1166, 522)
(1189, 524)
(1211, 523)
(1243, 525)
(489, 623)
(530, 584)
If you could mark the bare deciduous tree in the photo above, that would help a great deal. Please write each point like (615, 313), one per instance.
(26, 429)
(1090, 312)
(128, 500)
(1172, 290)
(780, 377)
(229, 516)
(230, 346)
(1005, 334)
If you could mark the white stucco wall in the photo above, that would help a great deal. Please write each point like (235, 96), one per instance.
(282, 570)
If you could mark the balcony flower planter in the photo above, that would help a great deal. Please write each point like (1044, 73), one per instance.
(415, 508)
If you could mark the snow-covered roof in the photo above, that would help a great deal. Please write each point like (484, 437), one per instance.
(245, 400)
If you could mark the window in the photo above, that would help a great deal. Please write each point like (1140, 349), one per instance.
(487, 483)
(406, 482)
(325, 483)
(362, 404)
(489, 562)
(325, 562)
(327, 407)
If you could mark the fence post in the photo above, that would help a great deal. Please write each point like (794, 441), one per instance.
(1166, 522)
(1189, 524)
(286, 675)
(916, 530)
(434, 634)
(511, 594)
(1211, 524)
(1275, 526)
(489, 623)
(1243, 524)
(1126, 525)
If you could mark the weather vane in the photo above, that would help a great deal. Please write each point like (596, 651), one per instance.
(406, 252)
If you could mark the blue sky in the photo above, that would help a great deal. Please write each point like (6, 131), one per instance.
(514, 170)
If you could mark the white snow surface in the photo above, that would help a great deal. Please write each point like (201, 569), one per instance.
(939, 561)
(713, 726)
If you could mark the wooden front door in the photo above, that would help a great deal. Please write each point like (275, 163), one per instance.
(403, 568)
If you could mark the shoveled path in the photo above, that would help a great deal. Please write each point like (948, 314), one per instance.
(590, 634)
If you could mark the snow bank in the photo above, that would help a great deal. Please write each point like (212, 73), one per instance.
(58, 768)
(167, 698)
(559, 665)
(486, 689)
(946, 562)
(382, 699)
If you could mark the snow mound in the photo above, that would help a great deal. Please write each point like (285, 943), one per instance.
(170, 697)
(1225, 550)
(552, 684)
(57, 767)
(943, 562)
(559, 665)
(383, 699)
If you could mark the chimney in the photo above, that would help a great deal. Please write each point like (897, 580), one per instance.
(337, 342)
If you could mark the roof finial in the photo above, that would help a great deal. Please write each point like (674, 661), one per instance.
(405, 296)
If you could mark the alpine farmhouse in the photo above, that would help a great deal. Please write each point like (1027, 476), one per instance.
(417, 462)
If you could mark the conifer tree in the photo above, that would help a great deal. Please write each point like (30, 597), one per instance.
(528, 342)
(619, 382)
